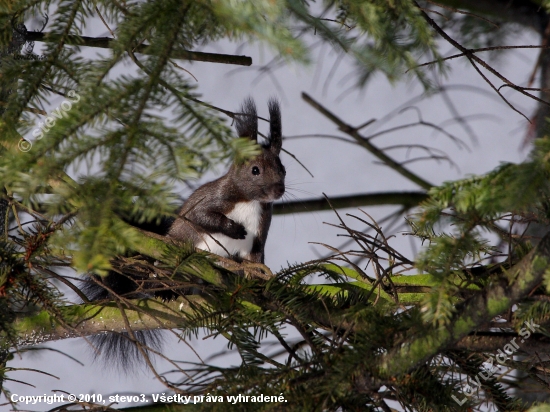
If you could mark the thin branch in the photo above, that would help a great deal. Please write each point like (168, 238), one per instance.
(473, 58)
(481, 49)
(297, 161)
(408, 199)
(352, 131)
(107, 43)
(539, 57)
(104, 22)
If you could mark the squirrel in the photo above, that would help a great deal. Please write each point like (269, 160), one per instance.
(229, 216)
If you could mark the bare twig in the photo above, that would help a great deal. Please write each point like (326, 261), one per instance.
(481, 49)
(475, 59)
(351, 131)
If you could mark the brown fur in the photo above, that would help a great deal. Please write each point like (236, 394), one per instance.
(261, 180)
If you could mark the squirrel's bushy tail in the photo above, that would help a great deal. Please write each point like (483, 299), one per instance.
(120, 350)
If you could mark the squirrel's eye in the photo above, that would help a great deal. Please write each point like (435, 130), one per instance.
(255, 170)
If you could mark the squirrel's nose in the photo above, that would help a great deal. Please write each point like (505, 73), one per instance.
(279, 189)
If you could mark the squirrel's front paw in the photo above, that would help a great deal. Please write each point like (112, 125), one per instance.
(236, 231)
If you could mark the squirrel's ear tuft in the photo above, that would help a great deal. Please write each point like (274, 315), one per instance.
(246, 121)
(275, 129)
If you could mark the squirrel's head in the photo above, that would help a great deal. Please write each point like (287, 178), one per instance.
(263, 177)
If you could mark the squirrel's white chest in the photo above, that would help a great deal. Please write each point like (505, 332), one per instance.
(247, 214)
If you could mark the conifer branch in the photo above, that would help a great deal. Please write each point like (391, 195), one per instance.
(91, 319)
(490, 341)
(344, 324)
(107, 43)
(497, 298)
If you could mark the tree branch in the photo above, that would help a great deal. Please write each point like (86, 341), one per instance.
(107, 42)
(490, 341)
(497, 298)
(362, 141)
(407, 199)
(475, 59)
(91, 319)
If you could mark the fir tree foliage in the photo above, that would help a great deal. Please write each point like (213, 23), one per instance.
(143, 130)
(329, 334)
(397, 36)
(472, 208)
